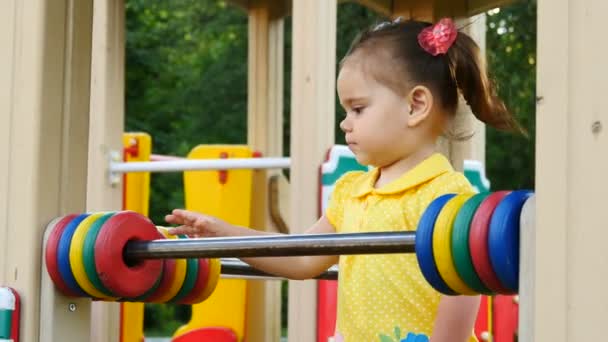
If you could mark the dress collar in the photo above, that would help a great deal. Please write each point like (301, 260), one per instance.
(430, 168)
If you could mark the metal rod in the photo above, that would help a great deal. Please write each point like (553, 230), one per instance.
(200, 164)
(162, 157)
(235, 268)
(274, 245)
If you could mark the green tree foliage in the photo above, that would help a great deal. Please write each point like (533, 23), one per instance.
(511, 50)
(186, 81)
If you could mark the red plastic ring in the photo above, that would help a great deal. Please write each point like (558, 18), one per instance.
(122, 279)
(478, 242)
(50, 255)
(200, 285)
(165, 282)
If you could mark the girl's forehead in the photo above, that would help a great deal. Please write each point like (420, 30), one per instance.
(354, 78)
(367, 70)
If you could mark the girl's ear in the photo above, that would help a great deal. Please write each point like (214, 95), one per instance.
(420, 99)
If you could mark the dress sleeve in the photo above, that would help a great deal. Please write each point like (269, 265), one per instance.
(341, 192)
(455, 183)
(461, 184)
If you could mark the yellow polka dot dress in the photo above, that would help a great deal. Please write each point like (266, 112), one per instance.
(381, 292)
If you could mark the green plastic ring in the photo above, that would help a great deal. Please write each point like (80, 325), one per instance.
(460, 244)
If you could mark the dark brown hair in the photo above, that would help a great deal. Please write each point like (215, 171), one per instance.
(461, 68)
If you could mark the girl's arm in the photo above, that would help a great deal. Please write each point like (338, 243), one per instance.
(297, 267)
(455, 318)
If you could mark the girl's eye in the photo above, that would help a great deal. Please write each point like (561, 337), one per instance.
(358, 110)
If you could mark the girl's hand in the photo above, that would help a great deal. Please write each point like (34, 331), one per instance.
(196, 224)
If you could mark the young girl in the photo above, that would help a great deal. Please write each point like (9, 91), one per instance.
(399, 85)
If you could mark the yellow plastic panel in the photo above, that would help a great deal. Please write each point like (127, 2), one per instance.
(136, 197)
(227, 195)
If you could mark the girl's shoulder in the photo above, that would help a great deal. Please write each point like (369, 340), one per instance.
(348, 182)
(351, 177)
(450, 182)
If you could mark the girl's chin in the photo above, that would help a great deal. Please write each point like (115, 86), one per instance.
(361, 159)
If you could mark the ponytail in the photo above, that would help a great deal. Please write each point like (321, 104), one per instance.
(469, 73)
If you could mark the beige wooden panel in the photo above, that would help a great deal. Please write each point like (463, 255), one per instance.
(47, 64)
(587, 167)
(384, 7)
(7, 52)
(265, 86)
(105, 130)
(312, 133)
(477, 6)
(431, 10)
(571, 168)
(550, 258)
(57, 321)
(264, 134)
(527, 270)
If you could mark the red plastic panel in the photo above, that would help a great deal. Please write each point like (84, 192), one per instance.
(213, 334)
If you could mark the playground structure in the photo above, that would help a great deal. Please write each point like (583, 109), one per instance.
(223, 320)
(62, 73)
(226, 307)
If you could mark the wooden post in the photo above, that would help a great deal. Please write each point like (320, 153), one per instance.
(312, 133)
(527, 271)
(414, 10)
(44, 93)
(571, 167)
(106, 127)
(264, 134)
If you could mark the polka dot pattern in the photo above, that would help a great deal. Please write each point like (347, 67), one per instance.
(377, 293)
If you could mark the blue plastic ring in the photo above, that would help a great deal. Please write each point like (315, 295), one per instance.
(424, 245)
(63, 256)
(503, 238)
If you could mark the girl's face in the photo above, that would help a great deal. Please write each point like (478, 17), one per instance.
(376, 121)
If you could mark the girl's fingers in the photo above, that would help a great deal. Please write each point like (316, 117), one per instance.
(172, 219)
(185, 230)
(187, 217)
(191, 223)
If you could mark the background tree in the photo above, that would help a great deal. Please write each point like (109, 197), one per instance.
(511, 52)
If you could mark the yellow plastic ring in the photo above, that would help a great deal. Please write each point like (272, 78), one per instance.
(442, 245)
(77, 261)
(180, 272)
(215, 269)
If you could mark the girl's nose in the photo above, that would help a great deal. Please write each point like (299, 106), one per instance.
(345, 125)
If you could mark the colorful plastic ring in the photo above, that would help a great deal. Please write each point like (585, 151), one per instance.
(200, 284)
(63, 255)
(503, 239)
(77, 260)
(442, 241)
(177, 280)
(165, 281)
(460, 244)
(50, 256)
(146, 296)
(424, 245)
(113, 270)
(478, 242)
(88, 254)
(189, 281)
(215, 270)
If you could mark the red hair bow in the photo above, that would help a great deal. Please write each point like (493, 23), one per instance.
(438, 38)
